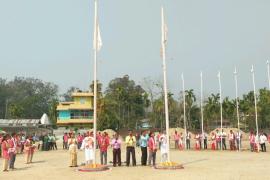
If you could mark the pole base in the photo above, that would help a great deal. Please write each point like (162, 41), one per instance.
(169, 166)
(93, 168)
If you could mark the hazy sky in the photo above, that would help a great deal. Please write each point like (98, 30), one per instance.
(52, 40)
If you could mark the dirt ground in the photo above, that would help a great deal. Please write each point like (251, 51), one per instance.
(198, 165)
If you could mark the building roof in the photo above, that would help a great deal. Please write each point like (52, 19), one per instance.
(19, 122)
(82, 94)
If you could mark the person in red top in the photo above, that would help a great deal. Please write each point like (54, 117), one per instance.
(65, 141)
(104, 144)
(5, 154)
(12, 150)
(152, 149)
(79, 140)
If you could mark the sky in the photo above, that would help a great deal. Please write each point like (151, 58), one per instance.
(52, 40)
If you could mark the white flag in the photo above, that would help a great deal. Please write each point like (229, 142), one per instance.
(97, 43)
(164, 31)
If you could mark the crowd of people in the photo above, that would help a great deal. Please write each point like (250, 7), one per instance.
(19, 143)
(148, 142)
(219, 140)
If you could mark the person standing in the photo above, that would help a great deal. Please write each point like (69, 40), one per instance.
(181, 139)
(218, 140)
(188, 137)
(214, 141)
(152, 149)
(224, 135)
(262, 140)
(29, 148)
(72, 144)
(79, 140)
(163, 148)
(176, 139)
(88, 146)
(12, 150)
(238, 140)
(5, 154)
(252, 141)
(65, 140)
(204, 139)
(116, 145)
(232, 141)
(104, 144)
(54, 144)
(197, 141)
(143, 143)
(130, 143)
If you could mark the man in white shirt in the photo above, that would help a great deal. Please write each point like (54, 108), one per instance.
(262, 140)
(238, 140)
(223, 139)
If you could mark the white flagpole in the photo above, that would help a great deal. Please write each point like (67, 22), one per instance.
(237, 106)
(220, 101)
(202, 107)
(255, 102)
(95, 79)
(184, 106)
(268, 73)
(165, 81)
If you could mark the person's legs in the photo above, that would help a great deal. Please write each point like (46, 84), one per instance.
(105, 157)
(128, 156)
(119, 157)
(114, 157)
(150, 155)
(154, 158)
(133, 156)
(5, 164)
(101, 157)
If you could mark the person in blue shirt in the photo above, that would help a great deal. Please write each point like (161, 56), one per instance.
(143, 144)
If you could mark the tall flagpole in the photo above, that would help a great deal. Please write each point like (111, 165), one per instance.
(165, 81)
(202, 106)
(220, 101)
(237, 107)
(255, 103)
(184, 106)
(95, 78)
(268, 73)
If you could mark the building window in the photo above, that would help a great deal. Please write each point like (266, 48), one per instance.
(82, 100)
(81, 114)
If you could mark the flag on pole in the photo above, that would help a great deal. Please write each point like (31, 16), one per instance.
(97, 42)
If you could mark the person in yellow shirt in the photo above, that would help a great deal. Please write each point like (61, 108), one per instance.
(130, 143)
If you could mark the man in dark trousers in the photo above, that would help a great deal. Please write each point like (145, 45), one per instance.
(143, 143)
(131, 143)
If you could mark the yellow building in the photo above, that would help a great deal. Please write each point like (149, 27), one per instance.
(78, 112)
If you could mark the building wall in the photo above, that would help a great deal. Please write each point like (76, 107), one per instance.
(87, 101)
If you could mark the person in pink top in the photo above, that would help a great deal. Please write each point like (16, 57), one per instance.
(252, 141)
(79, 140)
(104, 144)
(176, 138)
(5, 154)
(152, 149)
(12, 150)
(116, 145)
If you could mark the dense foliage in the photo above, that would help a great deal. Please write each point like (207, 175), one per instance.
(124, 104)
